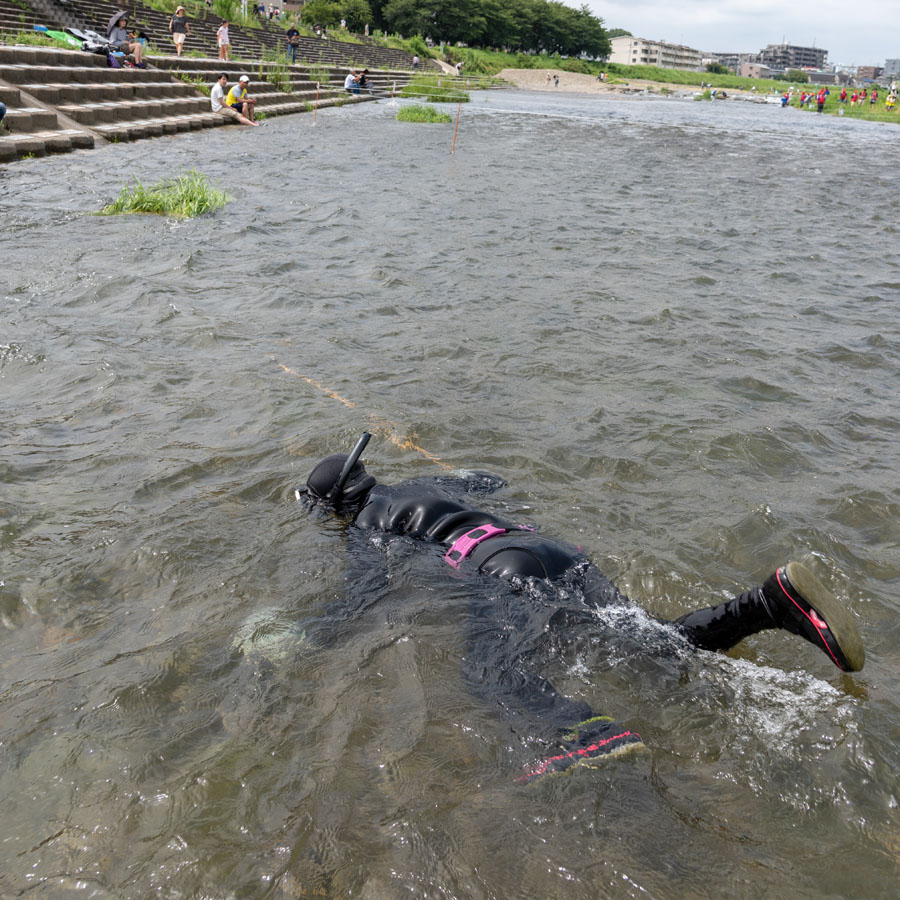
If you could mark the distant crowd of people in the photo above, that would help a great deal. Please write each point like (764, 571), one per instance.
(859, 98)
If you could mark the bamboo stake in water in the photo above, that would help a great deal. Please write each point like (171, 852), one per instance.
(316, 108)
(453, 148)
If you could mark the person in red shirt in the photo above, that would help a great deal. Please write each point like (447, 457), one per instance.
(843, 95)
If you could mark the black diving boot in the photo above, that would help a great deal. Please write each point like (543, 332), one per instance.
(791, 598)
(721, 627)
(801, 604)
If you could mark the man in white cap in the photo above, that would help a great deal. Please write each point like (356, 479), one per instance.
(238, 99)
(220, 106)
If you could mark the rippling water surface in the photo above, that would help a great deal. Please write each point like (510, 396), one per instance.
(673, 327)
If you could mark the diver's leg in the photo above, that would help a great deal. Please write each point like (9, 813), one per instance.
(502, 668)
(793, 599)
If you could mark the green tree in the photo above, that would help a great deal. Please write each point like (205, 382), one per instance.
(716, 68)
(797, 75)
(547, 26)
(617, 32)
(325, 12)
(358, 14)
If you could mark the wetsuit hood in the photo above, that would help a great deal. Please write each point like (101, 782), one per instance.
(324, 477)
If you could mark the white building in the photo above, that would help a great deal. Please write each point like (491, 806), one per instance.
(891, 68)
(632, 51)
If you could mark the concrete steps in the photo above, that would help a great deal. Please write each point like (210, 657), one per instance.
(60, 99)
(34, 130)
(139, 129)
(248, 43)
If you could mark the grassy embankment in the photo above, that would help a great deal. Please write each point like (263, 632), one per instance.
(490, 62)
(30, 39)
(432, 89)
(183, 197)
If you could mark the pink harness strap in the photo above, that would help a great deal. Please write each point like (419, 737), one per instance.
(464, 545)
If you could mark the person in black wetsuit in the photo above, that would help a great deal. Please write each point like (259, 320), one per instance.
(791, 598)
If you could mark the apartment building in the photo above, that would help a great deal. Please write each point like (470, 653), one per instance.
(789, 56)
(633, 51)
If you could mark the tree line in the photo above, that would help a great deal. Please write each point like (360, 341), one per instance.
(527, 26)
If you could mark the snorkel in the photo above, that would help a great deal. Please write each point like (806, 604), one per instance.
(334, 495)
(339, 481)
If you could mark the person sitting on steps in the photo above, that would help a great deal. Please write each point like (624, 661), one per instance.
(118, 38)
(239, 100)
(221, 106)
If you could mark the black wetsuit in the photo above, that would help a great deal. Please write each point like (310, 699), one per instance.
(427, 510)
(505, 670)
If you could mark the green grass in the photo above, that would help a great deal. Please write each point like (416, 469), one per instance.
(30, 39)
(490, 62)
(317, 73)
(195, 81)
(426, 87)
(413, 45)
(422, 114)
(183, 197)
(278, 71)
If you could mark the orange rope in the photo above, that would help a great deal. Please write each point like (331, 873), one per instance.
(453, 148)
(378, 425)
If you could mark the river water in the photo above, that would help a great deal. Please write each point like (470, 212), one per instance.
(674, 329)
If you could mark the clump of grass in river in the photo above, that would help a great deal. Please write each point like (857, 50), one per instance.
(422, 114)
(183, 197)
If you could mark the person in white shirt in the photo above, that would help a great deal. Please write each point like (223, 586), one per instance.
(223, 40)
(217, 101)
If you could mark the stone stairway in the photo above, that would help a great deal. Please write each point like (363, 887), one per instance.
(247, 43)
(17, 16)
(304, 94)
(64, 99)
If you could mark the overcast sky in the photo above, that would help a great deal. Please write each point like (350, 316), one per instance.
(864, 34)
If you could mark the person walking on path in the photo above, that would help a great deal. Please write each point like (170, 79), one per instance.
(178, 26)
(293, 42)
(223, 41)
